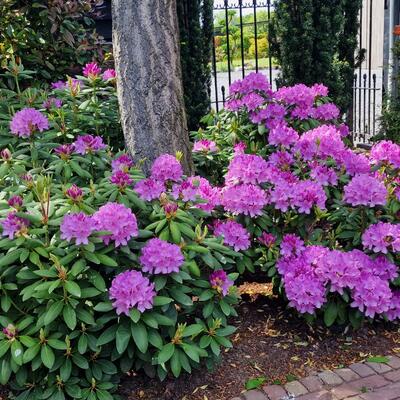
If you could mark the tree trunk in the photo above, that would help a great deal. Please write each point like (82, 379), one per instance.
(149, 79)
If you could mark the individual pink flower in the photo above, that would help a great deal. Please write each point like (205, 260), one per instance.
(246, 199)
(149, 189)
(117, 219)
(323, 175)
(52, 102)
(386, 152)
(91, 70)
(88, 144)
(234, 234)
(220, 282)
(394, 309)
(109, 74)
(74, 193)
(28, 121)
(205, 146)
(354, 163)
(252, 101)
(239, 148)
(365, 190)
(15, 202)
(165, 168)
(307, 194)
(10, 331)
(64, 151)
(291, 245)
(326, 112)
(14, 226)
(78, 226)
(5, 154)
(170, 209)
(382, 237)
(267, 239)
(121, 179)
(122, 163)
(130, 289)
(161, 257)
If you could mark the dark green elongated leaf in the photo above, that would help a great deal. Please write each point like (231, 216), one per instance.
(5, 371)
(10, 257)
(103, 307)
(17, 352)
(228, 330)
(4, 346)
(66, 369)
(330, 314)
(47, 356)
(191, 351)
(57, 344)
(122, 338)
(161, 300)
(140, 337)
(155, 339)
(135, 314)
(31, 353)
(175, 362)
(107, 336)
(166, 353)
(53, 312)
(103, 395)
(73, 288)
(82, 344)
(69, 317)
(85, 316)
(192, 330)
(106, 260)
(80, 361)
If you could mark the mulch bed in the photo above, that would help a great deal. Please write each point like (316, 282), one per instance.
(270, 342)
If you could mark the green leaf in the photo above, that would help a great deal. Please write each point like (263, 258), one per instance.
(330, 314)
(191, 351)
(104, 307)
(4, 346)
(140, 337)
(73, 288)
(57, 344)
(17, 352)
(47, 356)
(80, 361)
(53, 312)
(135, 314)
(255, 383)
(10, 257)
(66, 369)
(5, 372)
(166, 353)
(122, 337)
(378, 359)
(106, 260)
(69, 317)
(176, 366)
(31, 353)
(107, 336)
(161, 301)
(192, 330)
(103, 395)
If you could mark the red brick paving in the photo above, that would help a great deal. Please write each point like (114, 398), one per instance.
(361, 381)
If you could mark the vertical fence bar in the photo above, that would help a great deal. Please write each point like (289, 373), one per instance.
(369, 66)
(223, 95)
(354, 106)
(269, 40)
(364, 105)
(241, 35)
(214, 65)
(255, 32)
(226, 5)
(360, 71)
(374, 105)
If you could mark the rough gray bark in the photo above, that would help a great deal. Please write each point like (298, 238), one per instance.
(149, 79)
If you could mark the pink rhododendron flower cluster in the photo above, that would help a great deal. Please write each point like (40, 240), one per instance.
(166, 168)
(109, 74)
(309, 271)
(28, 121)
(219, 281)
(121, 179)
(204, 145)
(52, 102)
(247, 168)
(91, 70)
(282, 135)
(65, 151)
(267, 239)
(122, 163)
(149, 189)
(130, 289)
(382, 237)
(74, 193)
(15, 202)
(386, 151)
(78, 226)
(14, 226)
(161, 257)
(88, 144)
(117, 219)
(365, 190)
(234, 234)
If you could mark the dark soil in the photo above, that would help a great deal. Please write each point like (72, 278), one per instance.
(271, 342)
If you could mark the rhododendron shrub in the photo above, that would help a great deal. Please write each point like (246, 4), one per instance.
(100, 272)
(317, 217)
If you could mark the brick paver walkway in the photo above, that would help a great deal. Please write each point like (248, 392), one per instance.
(361, 381)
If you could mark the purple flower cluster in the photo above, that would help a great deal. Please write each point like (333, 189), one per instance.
(52, 102)
(247, 168)
(166, 168)
(161, 257)
(220, 282)
(309, 271)
(91, 70)
(122, 163)
(109, 74)
(15, 202)
(282, 135)
(130, 289)
(386, 152)
(382, 237)
(28, 121)
(365, 190)
(149, 189)
(117, 219)
(78, 226)
(14, 226)
(121, 179)
(74, 193)
(64, 151)
(234, 234)
(88, 144)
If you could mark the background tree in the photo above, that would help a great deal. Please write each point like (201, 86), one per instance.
(315, 41)
(196, 35)
(149, 78)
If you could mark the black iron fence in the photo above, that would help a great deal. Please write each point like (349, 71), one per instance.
(241, 22)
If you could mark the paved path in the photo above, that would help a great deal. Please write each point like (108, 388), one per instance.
(361, 381)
